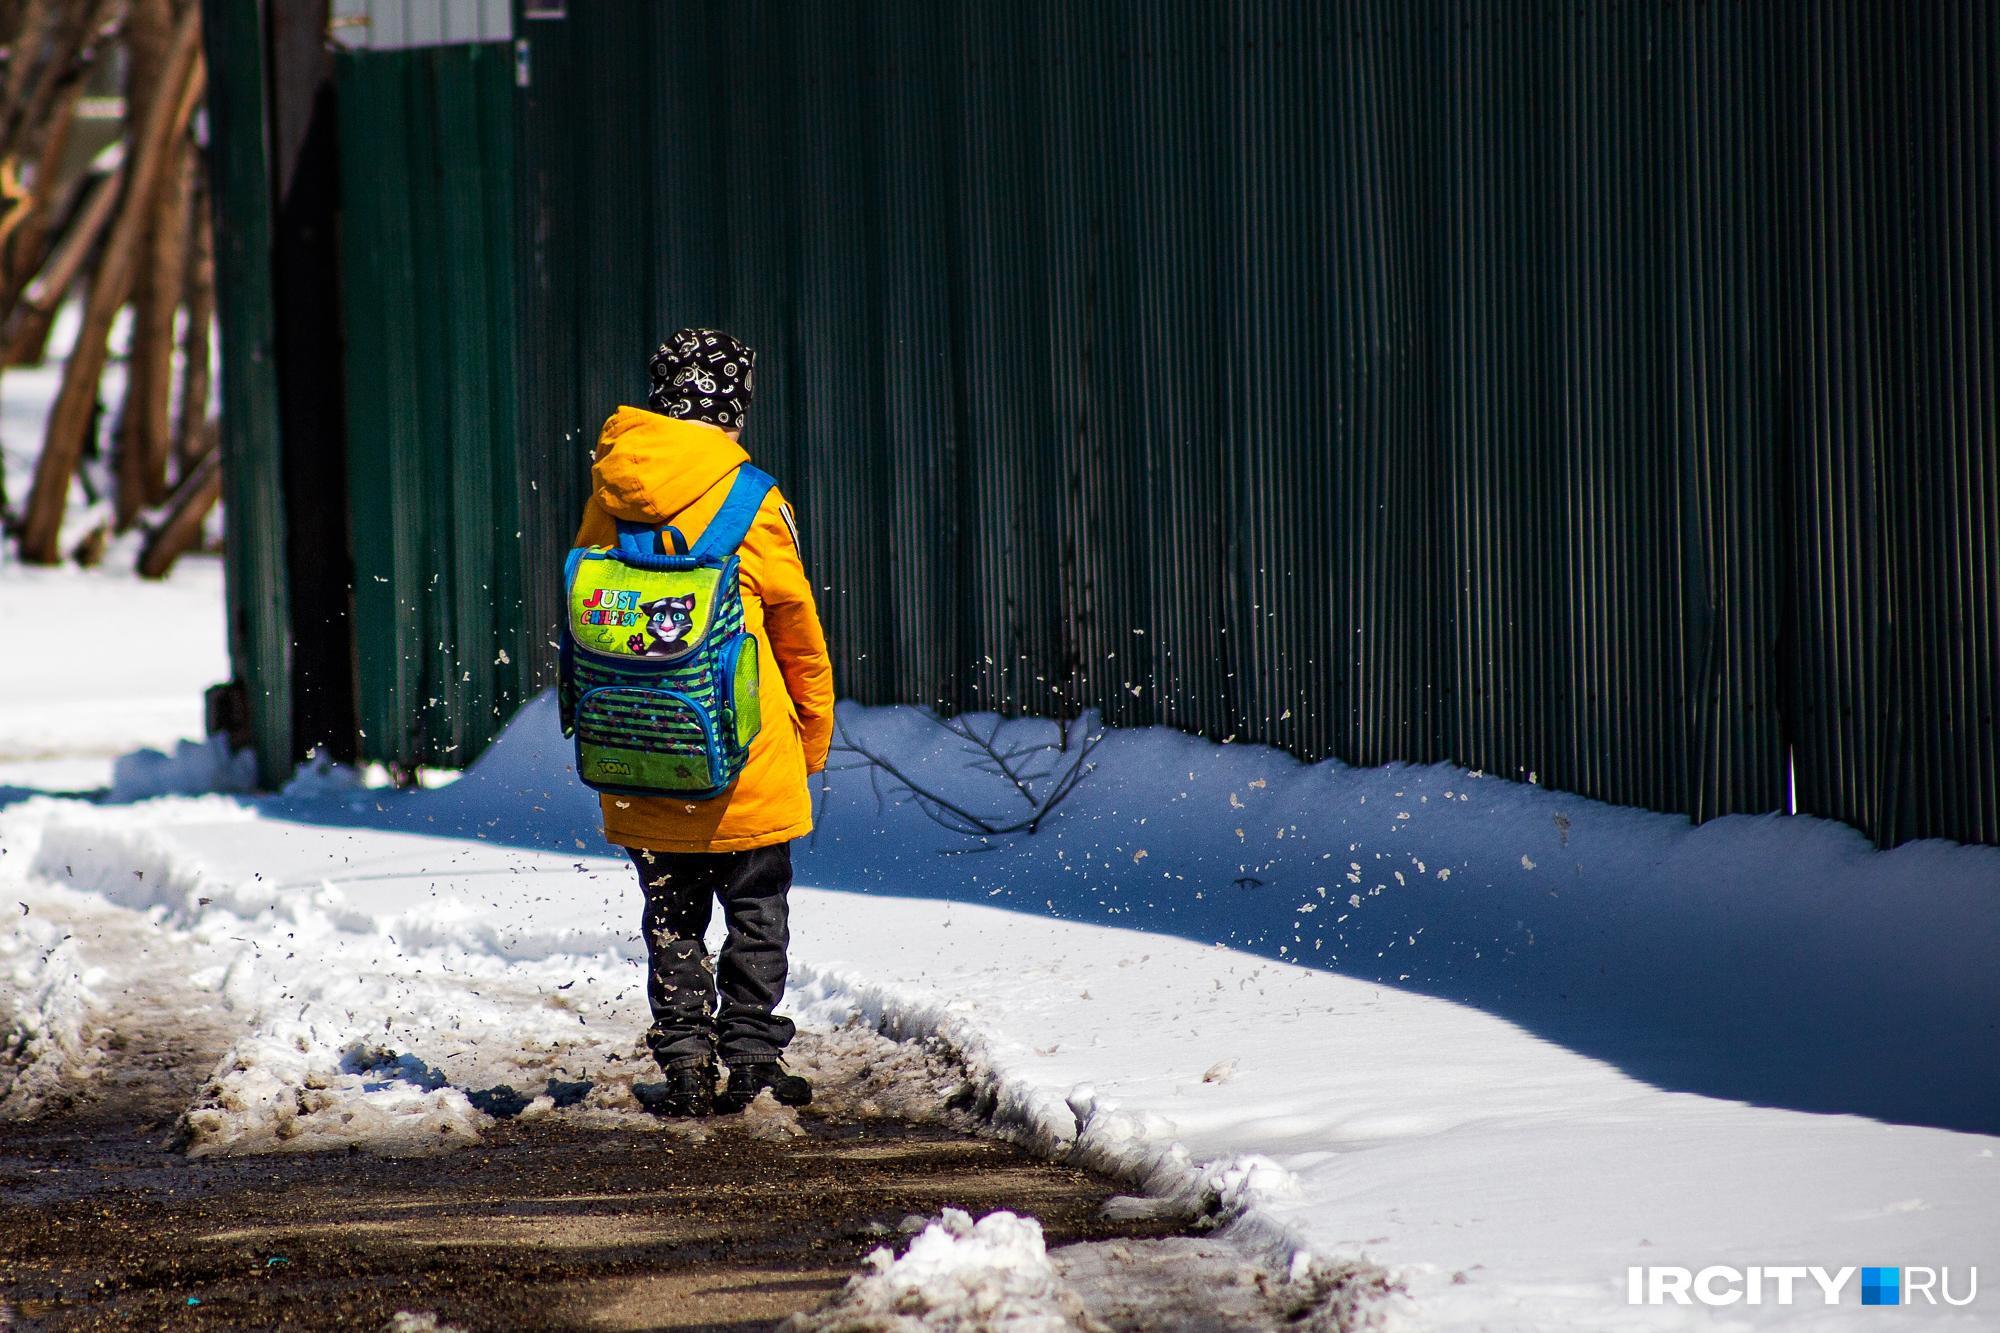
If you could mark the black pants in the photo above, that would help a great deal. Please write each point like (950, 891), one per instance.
(681, 890)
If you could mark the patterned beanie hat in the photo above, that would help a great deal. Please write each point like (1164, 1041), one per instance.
(703, 375)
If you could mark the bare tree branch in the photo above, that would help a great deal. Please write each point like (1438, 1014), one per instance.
(987, 756)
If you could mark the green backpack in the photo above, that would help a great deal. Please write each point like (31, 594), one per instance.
(657, 680)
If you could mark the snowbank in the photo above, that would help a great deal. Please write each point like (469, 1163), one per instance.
(49, 1041)
(1077, 1124)
(1697, 959)
(1503, 1041)
(191, 768)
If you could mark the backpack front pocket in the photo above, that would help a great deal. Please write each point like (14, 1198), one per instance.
(654, 616)
(740, 688)
(638, 740)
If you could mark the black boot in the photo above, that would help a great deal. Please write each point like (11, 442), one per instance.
(689, 1090)
(747, 1080)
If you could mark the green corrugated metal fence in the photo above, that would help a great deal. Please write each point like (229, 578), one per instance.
(1601, 392)
(258, 590)
(428, 275)
(1604, 393)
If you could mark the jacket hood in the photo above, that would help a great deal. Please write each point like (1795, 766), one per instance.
(649, 467)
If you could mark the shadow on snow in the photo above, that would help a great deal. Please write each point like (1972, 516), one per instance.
(1773, 960)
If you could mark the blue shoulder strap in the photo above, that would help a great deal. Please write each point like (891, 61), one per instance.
(725, 533)
(731, 523)
(645, 539)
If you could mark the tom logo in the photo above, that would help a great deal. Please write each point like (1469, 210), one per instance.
(616, 768)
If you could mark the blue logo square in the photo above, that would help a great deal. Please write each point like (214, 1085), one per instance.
(1881, 1286)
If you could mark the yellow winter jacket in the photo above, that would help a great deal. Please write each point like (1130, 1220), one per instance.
(655, 469)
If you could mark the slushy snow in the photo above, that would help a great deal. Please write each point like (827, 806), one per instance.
(962, 1276)
(957, 1276)
(49, 1042)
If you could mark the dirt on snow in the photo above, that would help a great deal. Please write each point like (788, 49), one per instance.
(729, 1223)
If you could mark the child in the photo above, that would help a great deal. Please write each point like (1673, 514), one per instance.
(675, 463)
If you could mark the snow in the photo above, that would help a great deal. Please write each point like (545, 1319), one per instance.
(98, 663)
(191, 768)
(957, 1276)
(1502, 1041)
(1697, 958)
(409, 1321)
(27, 393)
(48, 1043)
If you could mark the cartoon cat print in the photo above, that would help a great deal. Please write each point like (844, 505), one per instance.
(668, 622)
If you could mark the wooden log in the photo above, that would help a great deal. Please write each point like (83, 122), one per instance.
(13, 14)
(27, 326)
(89, 549)
(69, 419)
(149, 42)
(34, 29)
(44, 197)
(40, 235)
(25, 51)
(187, 509)
(142, 436)
(24, 22)
(145, 425)
(18, 203)
(34, 132)
(67, 40)
(191, 437)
